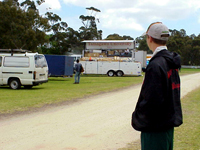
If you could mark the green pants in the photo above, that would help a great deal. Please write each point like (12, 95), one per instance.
(157, 140)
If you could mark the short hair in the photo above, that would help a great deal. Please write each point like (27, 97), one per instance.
(160, 42)
(77, 60)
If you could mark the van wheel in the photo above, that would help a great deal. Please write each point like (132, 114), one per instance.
(111, 73)
(15, 84)
(28, 86)
(119, 73)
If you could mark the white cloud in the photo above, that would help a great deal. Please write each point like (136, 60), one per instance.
(49, 5)
(55, 4)
(132, 14)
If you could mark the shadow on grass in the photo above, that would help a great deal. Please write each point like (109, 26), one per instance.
(21, 89)
(60, 79)
(93, 75)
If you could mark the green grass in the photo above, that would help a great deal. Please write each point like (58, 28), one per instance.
(188, 134)
(185, 71)
(62, 89)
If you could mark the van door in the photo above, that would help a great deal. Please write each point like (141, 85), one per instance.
(1, 76)
(41, 68)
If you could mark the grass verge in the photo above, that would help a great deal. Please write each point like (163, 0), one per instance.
(62, 89)
(188, 134)
(185, 71)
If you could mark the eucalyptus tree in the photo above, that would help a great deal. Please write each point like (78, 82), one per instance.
(21, 26)
(58, 28)
(89, 29)
(114, 37)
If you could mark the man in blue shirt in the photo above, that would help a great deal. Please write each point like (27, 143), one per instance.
(77, 68)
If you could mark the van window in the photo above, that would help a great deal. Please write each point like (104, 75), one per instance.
(16, 61)
(76, 57)
(40, 61)
(0, 61)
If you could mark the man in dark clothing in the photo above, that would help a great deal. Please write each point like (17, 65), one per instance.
(77, 68)
(158, 109)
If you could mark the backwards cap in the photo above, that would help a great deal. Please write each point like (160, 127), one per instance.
(158, 31)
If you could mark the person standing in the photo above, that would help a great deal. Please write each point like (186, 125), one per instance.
(77, 69)
(158, 109)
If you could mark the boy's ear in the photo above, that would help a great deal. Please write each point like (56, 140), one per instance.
(151, 39)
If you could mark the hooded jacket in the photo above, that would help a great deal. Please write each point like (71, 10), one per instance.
(159, 107)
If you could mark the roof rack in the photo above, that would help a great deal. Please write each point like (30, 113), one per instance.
(14, 50)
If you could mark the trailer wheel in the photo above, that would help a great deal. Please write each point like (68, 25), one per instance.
(111, 73)
(119, 73)
(15, 84)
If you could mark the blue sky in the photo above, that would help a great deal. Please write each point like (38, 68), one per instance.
(130, 17)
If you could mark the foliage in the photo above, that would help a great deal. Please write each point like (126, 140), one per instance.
(118, 37)
(21, 26)
(89, 29)
(57, 40)
(142, 44)
(187, 46)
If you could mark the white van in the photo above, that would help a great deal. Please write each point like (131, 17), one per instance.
(27, 69)
(76, 57)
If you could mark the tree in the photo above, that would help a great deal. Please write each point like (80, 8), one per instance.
(89, 29)
(58, 43)
(187, 46)
(143, 44)
(21, 27)
(118, 37)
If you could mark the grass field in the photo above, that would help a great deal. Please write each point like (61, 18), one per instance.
(59, 90)
(62, 89)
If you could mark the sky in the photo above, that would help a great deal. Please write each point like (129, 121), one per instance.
(129, 17)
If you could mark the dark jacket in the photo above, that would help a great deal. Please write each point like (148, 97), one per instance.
(159, 107)
(77, 67)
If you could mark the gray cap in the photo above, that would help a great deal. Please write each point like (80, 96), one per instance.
(158, 31)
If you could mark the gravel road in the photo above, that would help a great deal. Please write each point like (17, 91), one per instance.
(100, 122)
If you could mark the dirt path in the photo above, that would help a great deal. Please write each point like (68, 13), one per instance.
(99, 123)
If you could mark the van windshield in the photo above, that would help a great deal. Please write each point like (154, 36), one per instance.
(40, 61)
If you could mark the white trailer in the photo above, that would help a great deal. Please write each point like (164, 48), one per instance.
(111, 68)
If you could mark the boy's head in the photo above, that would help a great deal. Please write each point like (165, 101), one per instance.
(158, 31)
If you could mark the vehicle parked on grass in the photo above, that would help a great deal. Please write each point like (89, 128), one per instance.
(20, 68)
(76, 57)
(104, 60)
(112, 68)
